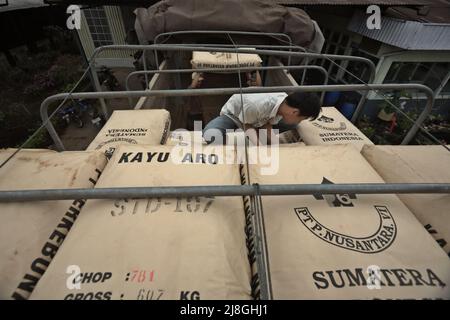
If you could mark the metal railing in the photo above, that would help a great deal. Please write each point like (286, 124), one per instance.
(175, 47)
(271, 35)
(307, 67)
(254, 191)
(222, 91)
(223, 191)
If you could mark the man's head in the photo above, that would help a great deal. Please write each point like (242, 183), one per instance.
(300, 106)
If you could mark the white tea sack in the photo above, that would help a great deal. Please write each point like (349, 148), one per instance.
(345, 246)
(149, 127)
(32, 232)
(418, 164)
(331, 128)
(159, 248)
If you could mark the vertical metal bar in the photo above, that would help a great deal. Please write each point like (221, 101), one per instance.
(304, 72)
(51, 130)
(98, 88)
(177, 61)
(156, 58)
(363, 99)
(442, 85)
(127, 88)
(423, 116)
(144, 62)
(261, 249)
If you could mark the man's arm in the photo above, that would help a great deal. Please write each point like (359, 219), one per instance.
(268, 128)
(254, 132)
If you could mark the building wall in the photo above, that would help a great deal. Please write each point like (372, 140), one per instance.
(383, 55)
(117, 35)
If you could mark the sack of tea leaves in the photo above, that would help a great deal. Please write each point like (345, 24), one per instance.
(224, 60)
(331, 128)
(418, 164)
(132, 127)
(344, 246)
(32, 232)
(184, 137)
(158, 248)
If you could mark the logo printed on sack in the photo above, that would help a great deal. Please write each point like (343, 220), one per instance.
(325, 119)
(114, 140)
(336, 200)
(378, 241)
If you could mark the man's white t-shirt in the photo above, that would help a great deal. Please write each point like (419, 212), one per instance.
(258, 108)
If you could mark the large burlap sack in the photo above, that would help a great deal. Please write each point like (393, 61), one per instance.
(224, 60)
(184, 137)
(328, 246)
(31, 232)
(286, 138)
(331, 128)
(418, 164)
(186, 248)
(132, 127)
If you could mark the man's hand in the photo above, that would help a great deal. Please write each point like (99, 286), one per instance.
(197, 79)
(253, 79)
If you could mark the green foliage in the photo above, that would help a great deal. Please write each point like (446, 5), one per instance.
(25, 87)
(385, 133)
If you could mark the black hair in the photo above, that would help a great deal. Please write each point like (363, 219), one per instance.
(307, 103)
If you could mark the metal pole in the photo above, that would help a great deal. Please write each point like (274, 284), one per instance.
(223, 191)
(304, 72)
(261, 46)
(262, 255)
(216, 32)
(359, 108)
(225, 91)
(442, 85)
(144, 62)
(98, 88)
(51, 130)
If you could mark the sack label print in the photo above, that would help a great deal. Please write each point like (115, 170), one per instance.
(377, 241)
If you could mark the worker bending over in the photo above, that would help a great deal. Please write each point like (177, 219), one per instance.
(262, 111)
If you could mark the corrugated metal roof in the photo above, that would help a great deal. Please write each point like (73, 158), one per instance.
(437, 12)
(409, 35)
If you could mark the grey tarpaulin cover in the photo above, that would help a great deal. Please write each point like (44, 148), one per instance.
(233, 15)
